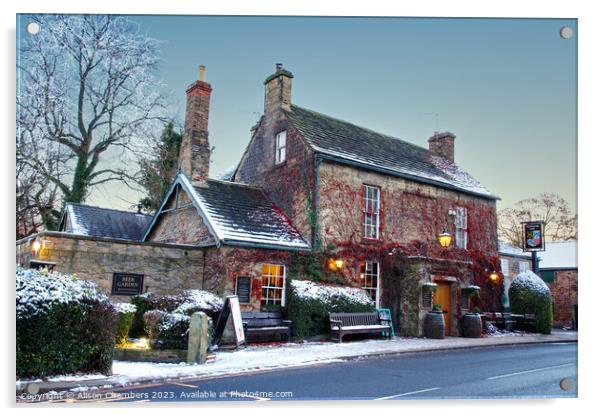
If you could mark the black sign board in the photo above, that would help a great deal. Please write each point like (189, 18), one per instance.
(127, 284)
(231, 308)
(243, 289)
(533, 236)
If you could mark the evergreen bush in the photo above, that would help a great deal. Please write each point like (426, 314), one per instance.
(310, 303)
(126, 313)
(529, 294)
(64, 325)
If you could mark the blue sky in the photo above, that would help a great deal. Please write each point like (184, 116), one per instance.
(505, 87)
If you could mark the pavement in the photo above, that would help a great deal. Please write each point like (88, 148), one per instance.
(261, 358)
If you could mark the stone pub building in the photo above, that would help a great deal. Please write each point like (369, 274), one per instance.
(309, 188)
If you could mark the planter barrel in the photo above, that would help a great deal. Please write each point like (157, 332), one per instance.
(472, 326)
(434, 325)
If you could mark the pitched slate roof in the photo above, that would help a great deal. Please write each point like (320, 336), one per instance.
(240, 214)
(347, 143)
(103, 222)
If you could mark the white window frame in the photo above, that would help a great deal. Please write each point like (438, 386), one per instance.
(280, 147)
(523, 266)
(268, 300)
(461, 225)
(371, 220)
(371, 289)
(505, 267)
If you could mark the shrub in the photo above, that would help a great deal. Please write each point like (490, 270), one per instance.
(64, 325)
(187, 303)
(309, 304)
(169, 330)
(529, 294)
(126, 313)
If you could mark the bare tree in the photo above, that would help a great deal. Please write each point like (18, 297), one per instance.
(87, 104)
(552, 209)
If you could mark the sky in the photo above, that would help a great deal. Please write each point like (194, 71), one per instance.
(505, 87)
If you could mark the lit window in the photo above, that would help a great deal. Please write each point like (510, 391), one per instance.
(370, 280)
(371, 212)
(281, 147)
(461, 224)
(272, 284)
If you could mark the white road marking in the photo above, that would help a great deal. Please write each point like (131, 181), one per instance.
(528, 371)
(192, 386)
(250, 396)
(407, 394)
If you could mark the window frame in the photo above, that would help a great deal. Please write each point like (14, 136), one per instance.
(250, 288)
(280, 153)
(505, 270)
(369, 289)
(522, 269)
(368, 213)
(461, 227)
(268, 300)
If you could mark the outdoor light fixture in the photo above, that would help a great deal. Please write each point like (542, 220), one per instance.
(494, 276)
(444, 238)
(338, 263)
(35, 247)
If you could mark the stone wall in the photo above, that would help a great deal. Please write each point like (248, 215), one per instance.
(410, 211)
(564, 296)
(167, 269)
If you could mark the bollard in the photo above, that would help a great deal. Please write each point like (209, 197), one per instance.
(197, 338)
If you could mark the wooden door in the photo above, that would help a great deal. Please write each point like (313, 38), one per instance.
(443, 298)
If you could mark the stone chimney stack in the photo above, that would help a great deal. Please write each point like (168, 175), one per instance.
(442, 144)
(195, 153)
(278, 90)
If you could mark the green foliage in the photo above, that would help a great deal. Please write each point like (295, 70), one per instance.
(529, 295)
(143, 305)
(159, 170)
(310, 316)
(67, 338)
(166, 330)
(123, 328)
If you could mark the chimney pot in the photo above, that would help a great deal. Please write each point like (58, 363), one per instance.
(202, 70)
(278, 67)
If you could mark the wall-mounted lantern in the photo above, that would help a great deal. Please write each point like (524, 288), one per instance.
(36, 246)
(336, 264)
(494, 276)
(445, 238)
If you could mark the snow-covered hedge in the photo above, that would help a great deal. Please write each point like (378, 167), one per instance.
(64, 325)
(39, 291)
(126, 313)
(169, 330)
(187, 302)
(529, 294)
(309, 304)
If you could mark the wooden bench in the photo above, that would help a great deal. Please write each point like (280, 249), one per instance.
(257, 324)
(508, 320)
(342, 324)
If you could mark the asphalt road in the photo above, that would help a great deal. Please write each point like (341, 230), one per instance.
(521, 371)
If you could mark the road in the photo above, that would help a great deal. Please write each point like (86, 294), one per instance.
(521, 371)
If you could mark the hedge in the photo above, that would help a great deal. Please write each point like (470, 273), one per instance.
(126, 313)
(529, 294)
(64, 325)
(310, 303)
(169, 330)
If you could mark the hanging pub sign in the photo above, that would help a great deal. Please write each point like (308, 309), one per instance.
(533, 236)
(127, 284)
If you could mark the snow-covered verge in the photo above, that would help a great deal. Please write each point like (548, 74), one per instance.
(261, 357)
(306, 290)
(37, 291)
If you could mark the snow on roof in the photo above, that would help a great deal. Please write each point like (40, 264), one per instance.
(372, 150)
(94, 221)
(306, 289)
(241, 213)
(510, 250)
(559, 255)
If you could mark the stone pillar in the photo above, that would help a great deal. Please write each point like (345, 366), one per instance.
(278, 90)
(198, 338)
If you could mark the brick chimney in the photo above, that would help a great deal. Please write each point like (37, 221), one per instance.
(195, 153)
(278, 90)
(442, 144)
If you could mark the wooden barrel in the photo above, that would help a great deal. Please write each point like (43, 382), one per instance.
(434, 325)
(472, 325)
